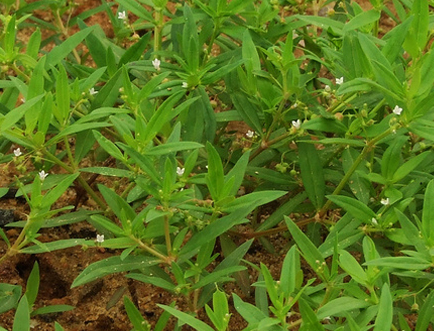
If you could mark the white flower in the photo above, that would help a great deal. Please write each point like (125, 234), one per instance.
(180, 171)
(184, 84)
(92, 91)
(17, 152)
(339, 81)
(122, 15)
(156, 63)
(250, 134)
(397, 110)
(327, 88)
(99, 238)
(296, 124)
(385, 202)
(42, 175)
(374, 221)
(295, 105)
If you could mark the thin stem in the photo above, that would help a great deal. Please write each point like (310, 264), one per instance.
(158, 27)
(164, 259)
(167, 234)
(353, 168)
(80, 179)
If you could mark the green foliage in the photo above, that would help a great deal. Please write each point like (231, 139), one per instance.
(339, 139)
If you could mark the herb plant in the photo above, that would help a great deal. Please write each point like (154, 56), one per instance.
(334, 151)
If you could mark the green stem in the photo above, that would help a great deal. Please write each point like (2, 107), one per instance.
(164, 259)
(167, 234)
(353, 168)
(80, 179)
(158, 27)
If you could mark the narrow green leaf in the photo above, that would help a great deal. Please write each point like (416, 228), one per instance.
(362, 19)
(425, 313)
(353, 268)
(60, 52)
(215, 177)
(409, 166)
(428, 214)
(312, 173)
(113, 265)
(341, 305)
(9, 296)
(385, 310)
(22, 316)
(32, 286)
(310, 320)
(289, 272)
(134, 315)
(355, 207)
(188, 319)
(311, 254)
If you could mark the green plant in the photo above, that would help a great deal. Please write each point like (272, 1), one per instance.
(340, 118)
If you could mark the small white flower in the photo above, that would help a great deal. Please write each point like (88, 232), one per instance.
(250, 134)
(385, 202)
(327, 88)
(397, 110)
(339, 81)
(92, 91)
(17, 152)
(122, 15)
(374, 221)
(180, 171)
(42, 175)
(99, 238)
(296, 124)
(23, 100)
(295, 105)
(184, 84)
(156, 63)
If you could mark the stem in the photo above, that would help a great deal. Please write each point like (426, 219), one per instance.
(158, 27)
(150, 250)
(68, 151)
(353, 168)
(167, 234)
(65, 33)
(80, 179)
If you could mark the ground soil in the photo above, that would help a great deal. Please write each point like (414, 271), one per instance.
(60, 268)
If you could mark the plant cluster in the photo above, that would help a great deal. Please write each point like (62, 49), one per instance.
(340, 116)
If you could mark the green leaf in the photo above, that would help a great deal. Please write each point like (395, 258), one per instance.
(248, 311)
(409, 166)
(63, 99)
(215, 177)
(188, 319)
(113, 265)
(385, 310)
(339, 306)
(22, 316)
(359, 186)
(17, 113)
(216, 276)
(289, 272)
(60, 52)
(310, 320)
(52, 309)
(54, 194)
(134, 52)
(156, 281)
(216, 228)
(52, 246)
(9, 296)
(137, 9)
(311, 254)
(425, 313)
(401, 262)
(392, 157)
(134, 315)
(312, 173)
(353, 268)
(411, 232)
(237, 172)
(355, 207)
(108, 95)
(253, 199)
(248, 110)
(9, 38)
(428, 214)
(395, 39)
(32, 286)
(108, 146)
(172, 147)
(418, 34)
(361, 20)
